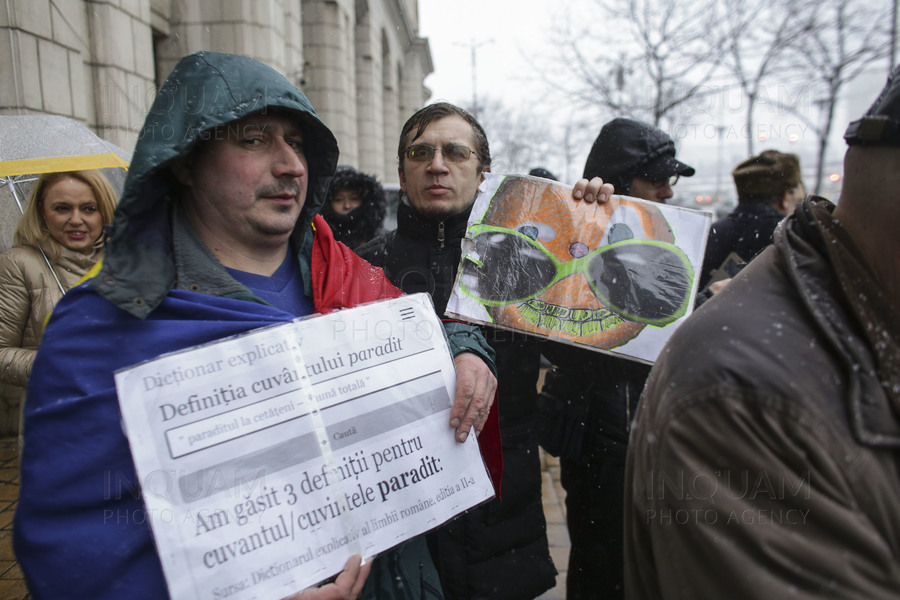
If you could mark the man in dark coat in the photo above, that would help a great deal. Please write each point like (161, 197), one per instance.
(769, 187)
(499, 550)
(595, 395)
(765, 458)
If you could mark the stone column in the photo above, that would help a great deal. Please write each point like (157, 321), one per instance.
(122, 67)
(391, 118)
(255, 29)
(369, 117)
(329, 72)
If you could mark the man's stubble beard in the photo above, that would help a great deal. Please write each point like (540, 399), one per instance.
(438, 212)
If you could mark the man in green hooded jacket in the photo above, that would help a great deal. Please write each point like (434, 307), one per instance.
(217, 233)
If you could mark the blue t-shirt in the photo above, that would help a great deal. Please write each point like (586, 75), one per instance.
(284, 289)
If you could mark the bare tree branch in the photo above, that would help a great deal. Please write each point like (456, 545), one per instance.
(844, 39)
(760, 35)
(665, 53)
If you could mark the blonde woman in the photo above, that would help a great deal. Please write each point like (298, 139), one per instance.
(57, 241)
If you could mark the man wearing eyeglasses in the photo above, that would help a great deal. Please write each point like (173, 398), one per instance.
(498, 550)
(601, 392)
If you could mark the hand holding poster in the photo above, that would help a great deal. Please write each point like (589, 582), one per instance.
(268, 459)
(612, 277)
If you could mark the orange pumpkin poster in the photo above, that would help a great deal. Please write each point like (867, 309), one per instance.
(617, 277)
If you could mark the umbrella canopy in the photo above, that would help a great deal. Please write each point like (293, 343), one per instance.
(34, 144)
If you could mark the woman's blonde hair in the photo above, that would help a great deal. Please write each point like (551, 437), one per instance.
(32, 231)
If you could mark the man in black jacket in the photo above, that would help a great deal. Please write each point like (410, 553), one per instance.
(597, 394)
(769, 187)
(498, 550)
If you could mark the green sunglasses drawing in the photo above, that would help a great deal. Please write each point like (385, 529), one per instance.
(646, 281)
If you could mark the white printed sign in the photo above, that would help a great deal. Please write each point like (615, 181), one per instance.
(267, 459)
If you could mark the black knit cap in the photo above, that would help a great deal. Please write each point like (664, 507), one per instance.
(880, 126)
(626, 149)
(542, 172)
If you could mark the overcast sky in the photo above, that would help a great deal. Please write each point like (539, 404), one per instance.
(507, 34)
(500, 30)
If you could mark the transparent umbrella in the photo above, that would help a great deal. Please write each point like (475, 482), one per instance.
(34, 144)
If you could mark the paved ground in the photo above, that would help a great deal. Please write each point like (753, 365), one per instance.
(12, 586)
(557, 533)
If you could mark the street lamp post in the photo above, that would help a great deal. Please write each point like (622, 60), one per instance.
(473, 47)
(720, 135)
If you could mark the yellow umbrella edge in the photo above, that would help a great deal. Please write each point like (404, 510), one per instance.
(35, 166)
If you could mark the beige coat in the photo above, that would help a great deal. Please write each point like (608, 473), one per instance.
(28, 292)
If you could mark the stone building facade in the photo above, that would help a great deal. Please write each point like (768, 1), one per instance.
(361, 62)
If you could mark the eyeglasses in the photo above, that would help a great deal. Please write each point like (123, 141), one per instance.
(451, 152)
(661, 184)
(647, 281)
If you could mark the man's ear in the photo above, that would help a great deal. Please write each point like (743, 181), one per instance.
(402, 177)
(784, 203)
(181, 169)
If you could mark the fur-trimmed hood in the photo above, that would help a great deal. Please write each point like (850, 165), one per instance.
(364, 222)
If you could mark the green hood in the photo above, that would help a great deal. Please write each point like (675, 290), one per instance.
(204, 91)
